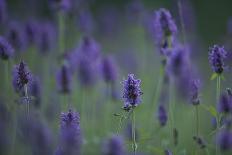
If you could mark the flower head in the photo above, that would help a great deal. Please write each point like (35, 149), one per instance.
(70, 134)
(6, 50)
(114, 146)
(21, 76)
(35, 90)
(64, 79)
(217, 55)
(225, 103)
(162, 115)
(224, 140)
(194, 92)
(109, 69)
(132, 92)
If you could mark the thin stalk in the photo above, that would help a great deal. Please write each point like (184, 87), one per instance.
(197, 120)
(6, 66)
(27, 99)
(107, 106)
(134, 144)
(61, 23)
(171, 108)
(182, 21)
(218, 118)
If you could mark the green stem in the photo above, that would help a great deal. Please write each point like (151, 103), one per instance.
(181, 20)
(27, 99)
(171, 108)
(218, 118)
(134, 144)
(197, 120)
(6, 76)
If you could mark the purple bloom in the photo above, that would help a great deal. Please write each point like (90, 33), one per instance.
(217, 55)
(177, 63)
(225, 103)
(64, 79)
(114, 146)
(131, 92)
(224, 140)
(35, 90)
(31, 31)
(6, 50)
(162, 115)
(85, 21)
(3, 13)
(109, 69)
(16, 36)
(46, 37)
(194, 92)
(164, 28)
(34, 132)
(70, 134)
(61, 5)
(21, 76)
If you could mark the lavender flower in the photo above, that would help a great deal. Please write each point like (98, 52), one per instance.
(109, 69)
(61, 5)
(70, 136)
(224, 140)
(31, 31)
(217, 55)
(3, 14)
(194, 92)
(225, 103)
(131, 92)
(36, 134)
(85, 21)
(164, 28)
(21, 76)
(64, 79)
(167, 152)
(162, 115)
(16, 36)
(35, 90)
(46, 37)
(6, 50)
(114, 146)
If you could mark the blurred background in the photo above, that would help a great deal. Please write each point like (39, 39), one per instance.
(50, 35)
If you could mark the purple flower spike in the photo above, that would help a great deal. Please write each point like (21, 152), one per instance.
(217, 55)
(194, 92)
(114, 146)
(162, 115)
(21, 76)
(225, 103)
(131, 93)
(35, 90)
(31, 31)
(224, 140)
(70, 136)
(64, 79)
(109, 70)
(6, 50)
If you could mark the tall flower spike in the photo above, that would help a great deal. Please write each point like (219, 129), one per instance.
(70, 134)
(64, 79)
(194, 92)
(21, 76)
(162, 115)
(217, 55)
(132, 92)
(109, 69)
(6, 50)
(114, 146)
(225, 103)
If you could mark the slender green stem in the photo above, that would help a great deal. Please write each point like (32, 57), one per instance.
(134, 144)
(197, 120)
(181, 20)
(27, 99)
(171, 108)
(6, 76)
(218, 117)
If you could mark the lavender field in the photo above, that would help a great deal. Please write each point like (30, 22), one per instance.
(115, 77)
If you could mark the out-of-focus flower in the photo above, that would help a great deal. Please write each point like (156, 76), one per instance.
(64, 79)
(164, 28)
(35, 91)
(21, 76)
(200, 142)
(6, 50)
(85, 21)
(225, 103)
(167, 152)
(33, 132)
(224, 140)
(114, 146)
(46, 37)
(70, 134)
(135, 10)
(109, 69)
(32, 31)
(16, 36)
(162, 115)
(61, 5)
(194, 92)
(3, 11)
(131, 92)
(217, 55)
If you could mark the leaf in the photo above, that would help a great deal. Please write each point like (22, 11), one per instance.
(214, 75)
(210, 109)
